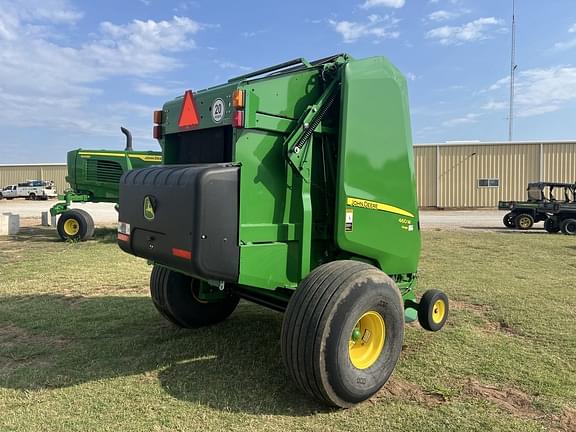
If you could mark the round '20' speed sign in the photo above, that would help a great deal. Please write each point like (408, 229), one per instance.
(217, 110)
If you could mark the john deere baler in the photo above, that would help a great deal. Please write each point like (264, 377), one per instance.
(292, 187)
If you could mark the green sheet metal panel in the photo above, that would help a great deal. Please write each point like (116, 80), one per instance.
(270, 192)
(377, 211)
(204, 100)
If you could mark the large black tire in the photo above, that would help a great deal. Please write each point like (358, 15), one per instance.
(524, 221)
(509, 220)
(551, 226)
(433, 310)
(32, 196)
(568, 226)
(75, 225)
(174, 296)
(322, 340)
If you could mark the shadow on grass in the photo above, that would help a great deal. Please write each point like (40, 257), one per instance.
(503, 230)
(37, 234)
(105, 235)
(49, 234)
(52, 341)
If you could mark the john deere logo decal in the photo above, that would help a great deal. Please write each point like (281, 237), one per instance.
(149, 204)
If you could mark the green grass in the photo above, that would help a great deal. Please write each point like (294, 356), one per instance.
(82, 348)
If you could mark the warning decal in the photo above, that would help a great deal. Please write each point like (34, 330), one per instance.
(349, 219)
(188, 115)
(373, 205)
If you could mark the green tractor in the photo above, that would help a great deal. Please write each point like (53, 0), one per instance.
(292, 187)
(551, 202)
(94, 176)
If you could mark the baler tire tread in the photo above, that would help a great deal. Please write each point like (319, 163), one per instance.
(156, 281)
(304, 300)
(314, 306)
(175, 300)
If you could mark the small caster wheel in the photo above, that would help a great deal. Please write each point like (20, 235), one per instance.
(433, 310)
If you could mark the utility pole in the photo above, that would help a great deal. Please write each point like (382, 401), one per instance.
(513, 67)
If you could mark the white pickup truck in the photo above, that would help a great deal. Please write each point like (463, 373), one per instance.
(31, 189)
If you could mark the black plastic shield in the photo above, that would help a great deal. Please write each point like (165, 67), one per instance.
(184, 217)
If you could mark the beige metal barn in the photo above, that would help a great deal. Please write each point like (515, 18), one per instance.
(479, 174)
(449, 175)
(16, 173)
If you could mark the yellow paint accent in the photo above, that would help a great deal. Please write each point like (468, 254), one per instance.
(144, 157)
(71, 227)
(438, 311)
(372, 205)
(365, 351)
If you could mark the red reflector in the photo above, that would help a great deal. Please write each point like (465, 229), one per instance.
(188, 115)
(238, 119)
(157, 132)
(181, 253)
(123, 237)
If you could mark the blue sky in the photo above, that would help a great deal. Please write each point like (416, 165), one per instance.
(73, 71)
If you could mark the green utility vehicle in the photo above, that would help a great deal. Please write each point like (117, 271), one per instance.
(292, 187)
(553, 203)
(94, 176)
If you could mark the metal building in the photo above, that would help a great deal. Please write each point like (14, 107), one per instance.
(479, 174)
(16, 173)
(449, 175)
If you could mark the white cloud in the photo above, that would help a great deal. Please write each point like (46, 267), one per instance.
(397, 4)
(155, 90)
(558, 46)
(467, 119)
(45, 81)
(230, 65)
(538, 91)
(377, 27)
(495, 105)
(23, 19)
(566, 45)
(470, 32)
(443, 15)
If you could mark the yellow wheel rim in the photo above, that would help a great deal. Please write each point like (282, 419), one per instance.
(438, 311)
(367, 340)
(71, 227)
(524, 222)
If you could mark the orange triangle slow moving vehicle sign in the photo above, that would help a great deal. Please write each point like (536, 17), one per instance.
(188, 115)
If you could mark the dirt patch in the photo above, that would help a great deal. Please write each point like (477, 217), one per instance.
(509, 399)
(476, 309)
(500, 326)
(567, 420)
(490, 327)
(398, 388)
